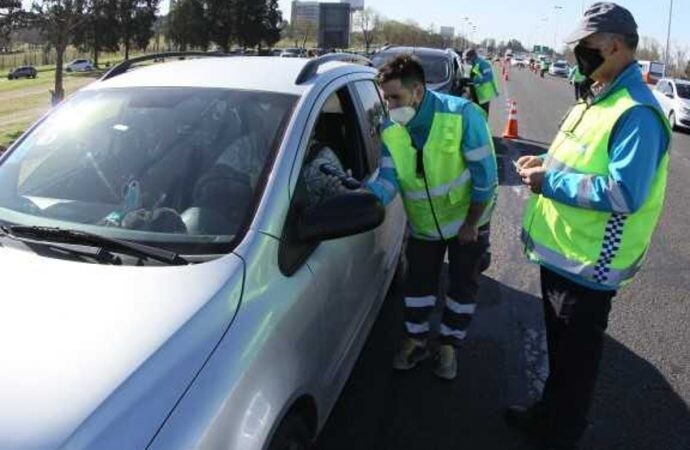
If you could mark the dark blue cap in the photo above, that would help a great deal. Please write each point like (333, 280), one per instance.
(604, 17)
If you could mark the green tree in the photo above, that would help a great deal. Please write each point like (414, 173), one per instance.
(100, 31)
(220, 15)
(249, 22)
(59, 20)
(272, 23)
(188, 25)
(12, 17)
(136, 18)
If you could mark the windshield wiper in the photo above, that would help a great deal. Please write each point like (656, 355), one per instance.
(67, 236)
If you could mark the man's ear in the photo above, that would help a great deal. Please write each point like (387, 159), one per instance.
(419, 92)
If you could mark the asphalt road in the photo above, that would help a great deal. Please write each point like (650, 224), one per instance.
(643, 391)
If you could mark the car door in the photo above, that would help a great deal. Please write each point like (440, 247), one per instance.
(372, 113)
(660, 94)
(346, 269)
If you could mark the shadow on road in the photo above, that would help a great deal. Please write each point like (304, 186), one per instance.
(385, 410)
(635, 407)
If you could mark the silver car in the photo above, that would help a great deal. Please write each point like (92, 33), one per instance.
(166, 283)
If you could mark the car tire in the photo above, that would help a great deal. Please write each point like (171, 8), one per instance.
(292, 434)
(672, 121)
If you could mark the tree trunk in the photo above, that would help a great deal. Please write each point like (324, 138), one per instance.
(95, 57)
(126, 48)
(59, 92)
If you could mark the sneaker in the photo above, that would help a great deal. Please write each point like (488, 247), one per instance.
(412, 352)
(446, 366)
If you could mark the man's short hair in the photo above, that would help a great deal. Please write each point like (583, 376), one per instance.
(405, 68)
(629, 40)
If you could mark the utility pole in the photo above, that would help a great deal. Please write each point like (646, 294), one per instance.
(556, 10)
(668, 37)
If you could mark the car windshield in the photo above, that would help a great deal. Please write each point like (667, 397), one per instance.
(559, 65)
(683, 90)
(436, 68)
(179, 168)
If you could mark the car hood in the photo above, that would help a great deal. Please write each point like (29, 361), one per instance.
(96, 356)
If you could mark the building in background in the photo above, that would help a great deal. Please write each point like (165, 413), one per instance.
(355, 5)
(448, 32)
(305, 12)
(334, 25)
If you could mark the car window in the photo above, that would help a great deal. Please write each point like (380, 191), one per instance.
(373, 117)
(668, 88)
(683, 90)
(334, 147)
(111, 161)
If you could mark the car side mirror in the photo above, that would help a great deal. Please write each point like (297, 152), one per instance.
(340, 216)
(670, 95)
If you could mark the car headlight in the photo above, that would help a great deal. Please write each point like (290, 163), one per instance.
(686, 110)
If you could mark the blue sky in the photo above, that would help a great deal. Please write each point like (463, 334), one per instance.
(524, 19)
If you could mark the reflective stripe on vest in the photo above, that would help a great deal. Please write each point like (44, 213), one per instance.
(449, 180)
(601, 247)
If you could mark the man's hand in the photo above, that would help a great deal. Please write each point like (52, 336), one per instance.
(528, 162)
(533, 177)
(468, 234)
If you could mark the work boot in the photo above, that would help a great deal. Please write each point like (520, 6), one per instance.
(529, 420)
(411, 352)
(446, 363)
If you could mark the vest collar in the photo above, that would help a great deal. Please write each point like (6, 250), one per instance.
(421, 123)
(628, 77)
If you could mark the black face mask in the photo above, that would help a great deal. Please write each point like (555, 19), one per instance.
(588, 59)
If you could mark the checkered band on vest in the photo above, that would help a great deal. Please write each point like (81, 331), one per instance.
(610, 247)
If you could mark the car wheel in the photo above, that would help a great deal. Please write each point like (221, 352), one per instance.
(292, 434)
(672, 120)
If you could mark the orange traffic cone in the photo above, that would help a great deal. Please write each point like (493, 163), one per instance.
(511, 131)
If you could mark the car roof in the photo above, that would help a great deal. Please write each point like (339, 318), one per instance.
(259, 73)
(415, 51)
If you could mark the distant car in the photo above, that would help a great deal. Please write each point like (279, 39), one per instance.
(518, 62)
(559, 69)
(79, 65)
(674, 97)
(443, 68)
(22, 72)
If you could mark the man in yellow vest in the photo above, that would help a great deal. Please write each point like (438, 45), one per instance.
(438, 153)
(597, 197)
(482, 75)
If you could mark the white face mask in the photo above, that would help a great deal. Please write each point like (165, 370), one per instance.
(403, 115)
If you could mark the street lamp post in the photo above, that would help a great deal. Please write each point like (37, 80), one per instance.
(556, 10)
(668, 37)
